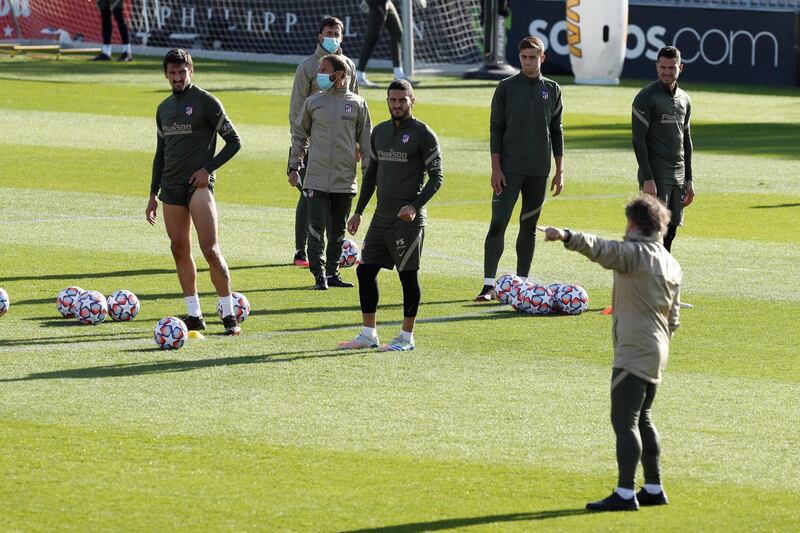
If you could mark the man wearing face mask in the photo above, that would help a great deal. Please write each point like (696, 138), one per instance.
(329, 129)
(329, 41)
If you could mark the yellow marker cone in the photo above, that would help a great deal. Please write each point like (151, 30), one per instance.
(196, 335)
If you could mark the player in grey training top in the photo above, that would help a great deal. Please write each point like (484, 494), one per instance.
(402, 150)
(184, 167)
(662, 139)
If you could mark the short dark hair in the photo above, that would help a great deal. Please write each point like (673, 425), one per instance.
(670, 52)
(400, 85)
(337, 63)
(177, 56)
(330, 21)
(648, 214)
(531, 43)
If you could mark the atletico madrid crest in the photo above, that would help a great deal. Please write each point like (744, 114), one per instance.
(348, 108)
(189, 110)
(545, 95)
(406, 138)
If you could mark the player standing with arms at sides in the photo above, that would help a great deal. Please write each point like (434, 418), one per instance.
(525, 127)
(184, 167)
(662, 139)
(402, 150)
(330, 128)
(646, 292)
(380, 14)
(329, 41)
(107, 8)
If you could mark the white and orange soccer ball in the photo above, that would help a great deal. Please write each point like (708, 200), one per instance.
(170, 333)
(538, 299)
(65, 303)
(351, 255)
(91, 308)
(4, 302)
(123, 306)
(503, 287)
(241, 307)
(572, 299)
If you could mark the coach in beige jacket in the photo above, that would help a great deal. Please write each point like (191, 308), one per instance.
(330, 128)
(646, 305)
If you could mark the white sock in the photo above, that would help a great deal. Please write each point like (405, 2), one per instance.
(193, 305)
(653, 489)
(106, 50)
(406, 335)
(360, 75)
(372, 333)
(398, 73)
(625, 494)
(227, 305)
(523, 278)
(488, 281)
(127, 49)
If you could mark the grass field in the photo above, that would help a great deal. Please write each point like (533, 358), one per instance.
(496, 421)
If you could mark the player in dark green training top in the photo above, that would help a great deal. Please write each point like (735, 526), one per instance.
(662, 139)
(401, 151)
(184, 167)
(525, 127)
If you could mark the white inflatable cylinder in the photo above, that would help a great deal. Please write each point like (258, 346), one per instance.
(596, 35)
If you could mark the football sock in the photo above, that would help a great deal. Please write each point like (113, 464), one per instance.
(406, 335)
(488, 281)
(193, 305)
(359, 74)
(398, 73)
(653, 489)
(127, 49)
(372, 333)
(625, 494)
(226, 302)
(106, 49)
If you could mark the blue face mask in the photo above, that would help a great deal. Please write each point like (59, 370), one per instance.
(324, 81)
(330, 44)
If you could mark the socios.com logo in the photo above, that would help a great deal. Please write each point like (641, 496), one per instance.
(712, 46)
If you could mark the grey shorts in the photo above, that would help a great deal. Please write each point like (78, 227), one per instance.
(393, 245)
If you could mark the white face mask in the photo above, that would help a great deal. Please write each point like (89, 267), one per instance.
(330, 44)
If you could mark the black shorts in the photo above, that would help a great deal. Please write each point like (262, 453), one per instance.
(393, 245)
(672, 195)
(180, 194)
(109, 4)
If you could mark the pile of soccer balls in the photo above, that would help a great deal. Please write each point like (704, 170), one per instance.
(91, 307)
(537, 299)
(351, 255)
(4, 302)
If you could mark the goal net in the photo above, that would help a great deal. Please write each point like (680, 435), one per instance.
(447, 33)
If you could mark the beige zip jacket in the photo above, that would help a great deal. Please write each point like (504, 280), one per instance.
(331, 126)
(305, 80)
(646, 298)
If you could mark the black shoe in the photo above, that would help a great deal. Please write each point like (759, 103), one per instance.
(615, 502)
(647, 499)
(101, 57)
(337, 281)
(322, 284)
(125, 57)
(486, 294)
(231, 326)
(194, 323)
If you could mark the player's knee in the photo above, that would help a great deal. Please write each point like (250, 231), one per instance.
(412, 294)
(366, 272)
(211, 252)
(180, 249)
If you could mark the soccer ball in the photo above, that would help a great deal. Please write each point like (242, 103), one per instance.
(519, 297)
(503, 285)
(572, 299)
(350, 254)
(554, 304)
(123, 306)
(66, 301)
(73, 307)
(91, 308)
(4, 302)
(538, 299)
(170, 333)
(241, 307)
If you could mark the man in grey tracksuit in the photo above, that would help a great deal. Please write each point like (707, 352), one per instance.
(646, 302)
(331, 128)
(329, 41)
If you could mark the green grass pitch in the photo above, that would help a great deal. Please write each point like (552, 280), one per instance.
(496, 422)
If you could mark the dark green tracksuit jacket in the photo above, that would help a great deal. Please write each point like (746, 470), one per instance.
(662, 139)
(399, 158)
(525, 125)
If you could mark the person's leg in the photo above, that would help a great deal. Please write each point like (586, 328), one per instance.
(502, 207)
(627, 398)
(534, 192)
(651, 440)
(122, 25)
(203, 209)
(672, 196)
(340, 210)
(392, 22)
(319, 210)
(301, 224)
(177, 221)
(105, 25)
(375, 21)
(368, 293)
(412, 295)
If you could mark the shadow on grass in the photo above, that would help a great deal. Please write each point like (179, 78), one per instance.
(118, 273)
(774, 206)
(168, 366)
(453, 523)
(72, 339)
